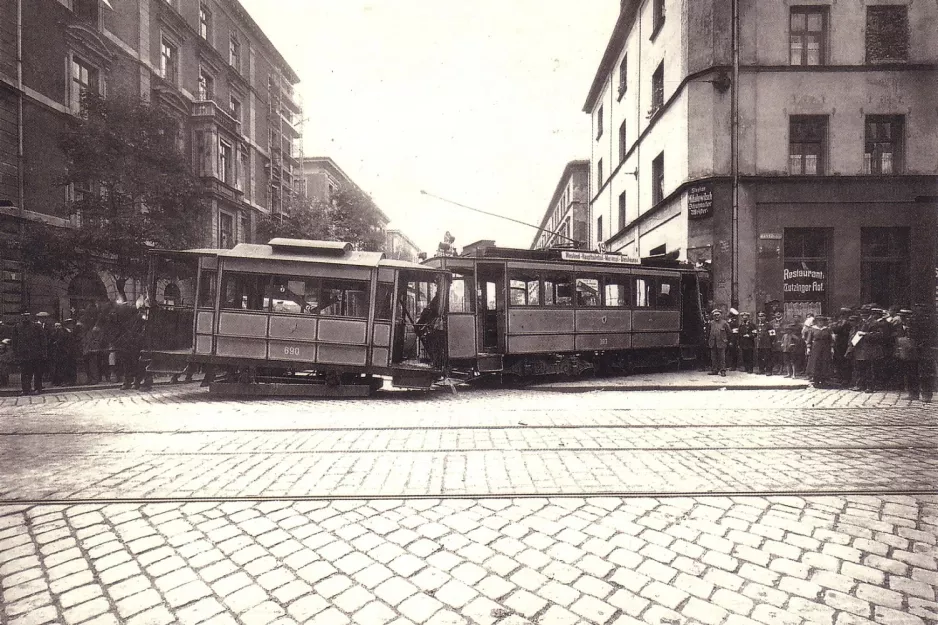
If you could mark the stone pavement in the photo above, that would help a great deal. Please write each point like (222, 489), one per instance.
(491, 506)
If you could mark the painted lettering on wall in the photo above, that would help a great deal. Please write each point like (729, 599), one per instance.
(700, 201)
(804, 281)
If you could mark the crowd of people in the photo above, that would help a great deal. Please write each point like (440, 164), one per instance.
(866, 348)
(102, 342)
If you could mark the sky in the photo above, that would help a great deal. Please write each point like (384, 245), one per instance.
(477, 102)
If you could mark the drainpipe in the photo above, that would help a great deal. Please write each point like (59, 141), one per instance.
(638, 147)
(20, 152)
(734, 148)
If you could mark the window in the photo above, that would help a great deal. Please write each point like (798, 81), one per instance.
(884, 144)
(224, 162)
(804, 274)
(657, 17)
(558, 290)
(588, 293)
(885, 274)
(207, 289)
(169, 61)
(617, 291)
(887, 34)
(460, 294)
(244, 229)
(667, 290)
(807, 144)
(85, 77)
(206, 85)
(657, 179)
(808, 35)
(383, 298)
(657, 89)
(623, 75)
(643, 292)
(234, 52)
(344, 298)
(225, 231)
(524, 290)
(205, 22)
(599, 229)
(87, 11)
(234, 106)
(293, 295)
(599, 174)
(622, 210)
(599, 123)
(244, 291)
(623, 149)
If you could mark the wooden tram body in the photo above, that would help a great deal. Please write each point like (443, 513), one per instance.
(296, 311)
(541, 312)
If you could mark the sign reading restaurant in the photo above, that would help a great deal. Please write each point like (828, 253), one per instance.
(597, 257)
(700, 201)
(803, 281)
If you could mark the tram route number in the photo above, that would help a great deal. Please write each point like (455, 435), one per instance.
(291, 351)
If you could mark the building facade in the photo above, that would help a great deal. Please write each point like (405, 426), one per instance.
(566, 220)
(205, 61)
(793, 146)
(399, 246)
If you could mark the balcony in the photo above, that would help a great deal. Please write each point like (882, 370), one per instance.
(209, 111)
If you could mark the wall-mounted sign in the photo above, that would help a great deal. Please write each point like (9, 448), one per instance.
(804, 281)
(700, 201)
(597, 257)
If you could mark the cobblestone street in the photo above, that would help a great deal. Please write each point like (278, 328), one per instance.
(488, 506)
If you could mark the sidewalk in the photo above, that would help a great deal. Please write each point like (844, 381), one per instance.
(13, 388)
(676, 381)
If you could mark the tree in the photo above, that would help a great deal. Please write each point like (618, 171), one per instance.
(134, 191)
(350, 215)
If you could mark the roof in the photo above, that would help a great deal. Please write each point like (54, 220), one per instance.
(567, 173)
(624, 23)
(268, 252)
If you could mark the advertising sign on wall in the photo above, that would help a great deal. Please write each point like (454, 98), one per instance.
(700, 201)
(804, 286)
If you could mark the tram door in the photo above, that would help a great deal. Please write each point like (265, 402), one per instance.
(491, 308)
(692, 298)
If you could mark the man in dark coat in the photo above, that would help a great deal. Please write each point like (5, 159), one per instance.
(29, 345)
(718, 337)
(842, 329)
(747, 342)
(732, 348)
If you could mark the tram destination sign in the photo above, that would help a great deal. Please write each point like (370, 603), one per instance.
(599, 257)
(700, 201)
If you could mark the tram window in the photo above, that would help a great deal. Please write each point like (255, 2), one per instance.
(383, 301)
(460, 300)
(207, 290)
(524, 290)
(558, 290)
(587, 292)
(344, 298)
(244, 291)
(617, 291)
(667, 293)
(644, 292)
(293, 295)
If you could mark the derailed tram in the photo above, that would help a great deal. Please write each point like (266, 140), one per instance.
(296, 317)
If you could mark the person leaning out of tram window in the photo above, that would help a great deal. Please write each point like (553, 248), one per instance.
(718, 339)
(747, 342)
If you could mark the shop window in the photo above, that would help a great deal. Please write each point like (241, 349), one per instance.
(887, 34)
(244, 291)
(587, 292)
(807, 144)
(616, 291)
(644, 292)
(885, 266)
(524, 290)
(558, 290)
(804, 274)
(884, 144)
(207, 289)
(808, 35)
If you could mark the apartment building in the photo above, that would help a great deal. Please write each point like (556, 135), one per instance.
(399, 246)
(792, 146)
(206, 61)
(320, 176)
(565, 222)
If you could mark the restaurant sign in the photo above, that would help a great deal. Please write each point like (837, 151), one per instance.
(700, 201)
(804, 281)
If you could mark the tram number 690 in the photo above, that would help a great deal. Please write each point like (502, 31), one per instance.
(291, 351)
(604, 341)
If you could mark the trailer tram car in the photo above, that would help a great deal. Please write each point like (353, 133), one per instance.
(297, 317)
(542, 312)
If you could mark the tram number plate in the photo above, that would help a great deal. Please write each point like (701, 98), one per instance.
(603, 341)
(291, 351)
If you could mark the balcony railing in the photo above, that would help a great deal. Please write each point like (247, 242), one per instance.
(208, 110)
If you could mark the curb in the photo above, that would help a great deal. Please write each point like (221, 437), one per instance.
(672, 387)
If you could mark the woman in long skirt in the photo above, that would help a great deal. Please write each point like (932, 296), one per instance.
(820, 341)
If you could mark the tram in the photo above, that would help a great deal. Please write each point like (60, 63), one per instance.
(525, 313)
(297, 317)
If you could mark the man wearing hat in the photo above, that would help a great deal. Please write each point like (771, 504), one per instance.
(27, 350)
(868, 348)
(747, 342)
(732, 348)
(718, 338)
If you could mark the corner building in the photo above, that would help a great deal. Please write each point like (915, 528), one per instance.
(205, 61)
(792, 145)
